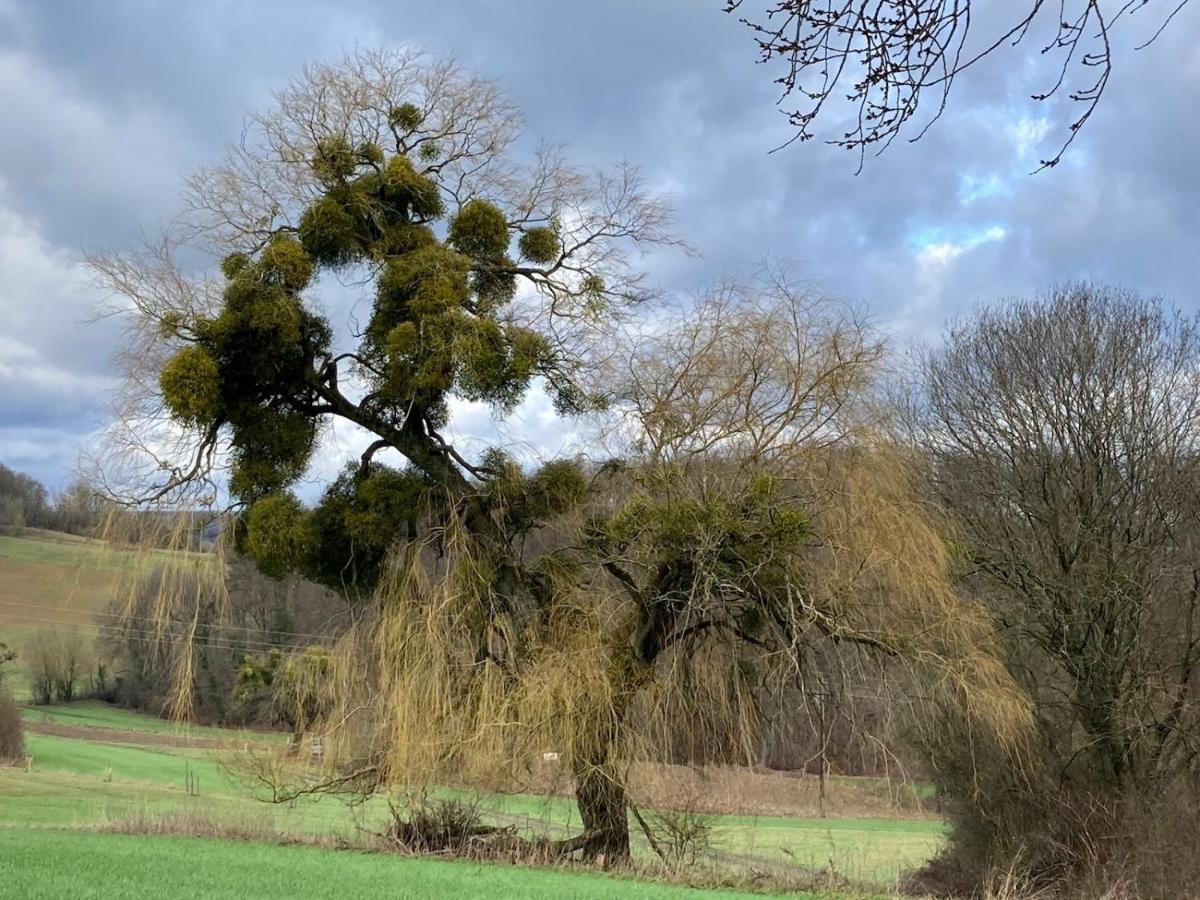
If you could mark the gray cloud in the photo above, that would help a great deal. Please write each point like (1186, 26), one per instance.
(106, 105)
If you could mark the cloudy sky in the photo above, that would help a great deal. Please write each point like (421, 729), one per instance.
(105, 106)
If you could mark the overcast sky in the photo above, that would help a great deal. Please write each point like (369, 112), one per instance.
(106, 105)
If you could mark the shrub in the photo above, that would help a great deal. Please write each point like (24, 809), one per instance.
(679, 836)
(423, 824)
(57, 662)
(7, 655)
(12, 731)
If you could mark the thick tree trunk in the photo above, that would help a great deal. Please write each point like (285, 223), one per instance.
(601, 800)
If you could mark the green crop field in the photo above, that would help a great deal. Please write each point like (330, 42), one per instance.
(122, 867)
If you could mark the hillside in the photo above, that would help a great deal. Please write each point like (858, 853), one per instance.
(51, 580)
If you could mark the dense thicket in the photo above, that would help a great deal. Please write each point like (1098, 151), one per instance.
(23, 501)
(12, 730)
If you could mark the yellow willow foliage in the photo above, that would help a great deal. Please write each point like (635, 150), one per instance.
(700, 702)
(170, 578)
(883, 572)
(441, 707)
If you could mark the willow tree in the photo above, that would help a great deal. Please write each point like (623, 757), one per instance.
(514, 609)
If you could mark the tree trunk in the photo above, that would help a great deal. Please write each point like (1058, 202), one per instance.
(601, 800)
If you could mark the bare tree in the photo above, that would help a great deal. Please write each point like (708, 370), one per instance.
(1065, 440)
(882, 57)
(749, 372)
(78, 508)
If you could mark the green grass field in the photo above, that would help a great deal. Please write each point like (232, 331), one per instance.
(85, 783)
(96, 767)
(123, 867)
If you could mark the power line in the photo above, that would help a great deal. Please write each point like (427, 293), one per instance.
(172, 639)
(151, 636)
(120, 617)
(204, 633)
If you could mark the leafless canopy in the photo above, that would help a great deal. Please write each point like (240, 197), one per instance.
(883, 56)
(750, 372)
(1065, 436)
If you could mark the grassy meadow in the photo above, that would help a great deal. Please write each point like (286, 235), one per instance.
(97, 770)
(124, 867)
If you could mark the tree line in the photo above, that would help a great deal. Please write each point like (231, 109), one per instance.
(26, 503)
